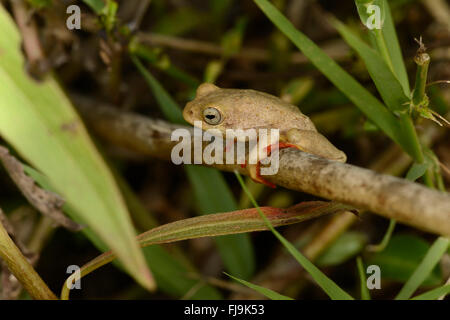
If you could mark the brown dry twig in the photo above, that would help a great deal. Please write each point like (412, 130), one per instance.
(337, 50)
(46, 202)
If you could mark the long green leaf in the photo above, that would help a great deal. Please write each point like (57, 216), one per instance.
(393, 47)
(273, 295)
(428, 263)
(386, 82)
(210, 189)
(219, 224)
(39, 121)
(365, 294)
(434, 294)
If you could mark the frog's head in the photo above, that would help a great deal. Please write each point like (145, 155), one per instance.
(205, 107)
(224, 109)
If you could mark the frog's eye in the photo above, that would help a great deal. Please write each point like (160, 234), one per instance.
(212, 116)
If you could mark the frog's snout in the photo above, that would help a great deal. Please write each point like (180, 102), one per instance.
(188, 113)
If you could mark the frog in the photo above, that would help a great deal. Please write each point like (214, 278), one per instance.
(222, 108)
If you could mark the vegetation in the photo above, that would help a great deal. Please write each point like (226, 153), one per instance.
(378, 93)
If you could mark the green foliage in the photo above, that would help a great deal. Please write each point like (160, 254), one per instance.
(356, 93)
(425, 268)
(171, 275)
(180, 22)
(39, 4)
(39, 121)
(264, 291)
(434, 294)
(327, 285)
(365, 294)
(96, 5)
(401, 257)
(344, 248)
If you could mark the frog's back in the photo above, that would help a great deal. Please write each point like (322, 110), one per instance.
(266, 110)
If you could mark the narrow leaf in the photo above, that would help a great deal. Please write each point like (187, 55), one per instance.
(393, 47)
(434, 294)
(386, 82)
(365, 294)
(96, 5)
(428, 263)
(40, 123)
(264, 291)
(417, 170)
(219, 224)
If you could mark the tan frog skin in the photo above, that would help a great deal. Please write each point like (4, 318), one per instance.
(224, 109)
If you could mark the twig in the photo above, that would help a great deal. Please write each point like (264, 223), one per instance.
(391, 197)
(440, 10)
(31, 42)
(336, 50)
(46, 202)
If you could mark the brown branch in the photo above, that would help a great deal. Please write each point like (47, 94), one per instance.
(46, 202)
(37, 64)
(391, 197)
(337, 50)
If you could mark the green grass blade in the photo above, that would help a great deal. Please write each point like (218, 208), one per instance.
(434, 294)
(210, 189)
(417, 170)
(428, 263)
(96, 5)
(393, 47)
(169, 108)
(386, 82)
(328, 285)
(384, 37)
(365, 294)
(38, 120)
(361, 97)
(386, 238)
(264, 291)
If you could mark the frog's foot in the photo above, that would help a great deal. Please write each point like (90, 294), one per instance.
(254, 171)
